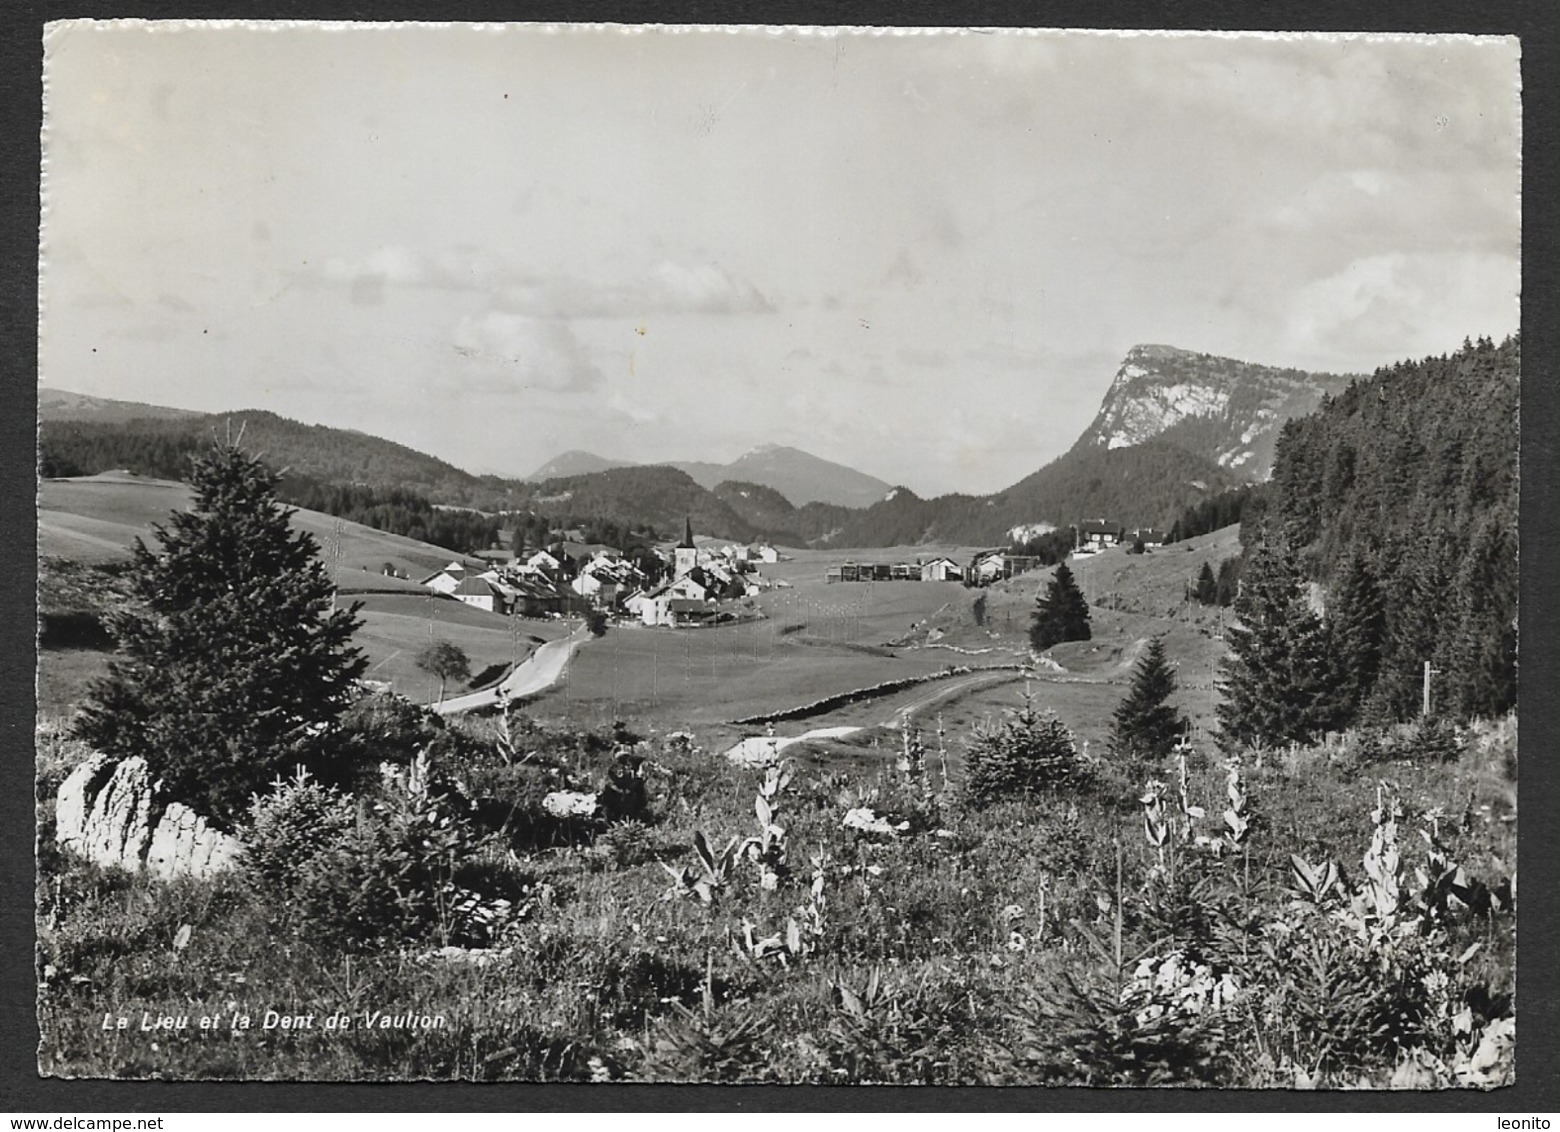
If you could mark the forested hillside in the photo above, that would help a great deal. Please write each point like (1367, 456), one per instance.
(1400, 497)
(659, 496)
(162, 447)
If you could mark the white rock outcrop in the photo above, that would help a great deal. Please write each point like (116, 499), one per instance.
(103, 812)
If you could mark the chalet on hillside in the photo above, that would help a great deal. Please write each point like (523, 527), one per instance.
(1151, 538)
(1099, 534)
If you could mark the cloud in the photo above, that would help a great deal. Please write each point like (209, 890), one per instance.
(926, 359)
(1401, 305)
(500, 350)
(668, 286)
(707, 287)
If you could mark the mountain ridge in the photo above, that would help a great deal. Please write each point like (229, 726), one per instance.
(797, 474)
(1174, 428)
(1221, 408)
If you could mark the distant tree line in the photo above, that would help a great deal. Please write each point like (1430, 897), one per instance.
(1218, 589)
(397, 511)
(1237, 505)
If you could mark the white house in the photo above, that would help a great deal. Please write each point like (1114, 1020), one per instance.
(1099, 534)
(990, 566)
(447, 579)
(477, 592)
(689, 587)
(942, 570)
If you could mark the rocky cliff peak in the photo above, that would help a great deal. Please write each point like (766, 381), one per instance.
(1225, 409)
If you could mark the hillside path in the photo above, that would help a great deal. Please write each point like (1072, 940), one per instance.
(944, 689)
(535, 673)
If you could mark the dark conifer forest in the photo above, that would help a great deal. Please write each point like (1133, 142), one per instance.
(1400, 497)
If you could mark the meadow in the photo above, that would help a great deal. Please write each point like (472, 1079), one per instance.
(87, 525)
(1041, 939)
(584, 889)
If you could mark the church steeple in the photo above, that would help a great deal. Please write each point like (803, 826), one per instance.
(686, 555)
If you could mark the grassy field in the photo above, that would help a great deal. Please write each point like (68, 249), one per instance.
(92, 521)
(676, 677)
(1038, 937)
(396, 627)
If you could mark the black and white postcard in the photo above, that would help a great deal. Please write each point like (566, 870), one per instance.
(588, 553)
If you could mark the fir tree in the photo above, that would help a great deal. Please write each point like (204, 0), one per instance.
(1061, 613)
(1279, 685)
(1207, 591)
(1419, 627)
(1357, 621)
(234, 663)
(1146, 725)
(1484, 648)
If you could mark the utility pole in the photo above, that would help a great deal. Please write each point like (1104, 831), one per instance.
(1424, 709)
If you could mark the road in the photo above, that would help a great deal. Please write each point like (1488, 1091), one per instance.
(536, 673)
(944, 689)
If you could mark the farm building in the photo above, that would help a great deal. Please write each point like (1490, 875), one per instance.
(942, 570)
(480, 593)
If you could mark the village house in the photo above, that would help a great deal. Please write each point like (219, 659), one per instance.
(1151, 538)
(942, 570)
(535, 596)
(988, 566)
(480, 593)
(1095, 535)
(446, 580)
(545, 560)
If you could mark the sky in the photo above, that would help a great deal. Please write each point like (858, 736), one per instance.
(921, 255)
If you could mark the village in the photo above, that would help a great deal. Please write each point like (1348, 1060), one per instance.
(700, 582)
(685, 585)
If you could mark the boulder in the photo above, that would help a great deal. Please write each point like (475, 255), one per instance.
(183, 844)
(105, 812)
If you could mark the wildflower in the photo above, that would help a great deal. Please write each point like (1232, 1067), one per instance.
(1015, 941)
(1012, 912)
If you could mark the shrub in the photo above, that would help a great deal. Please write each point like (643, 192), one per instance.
(288, 828)
(403, 867)
(1027, 752)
